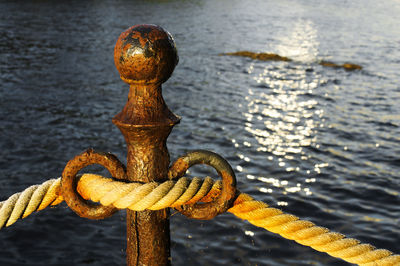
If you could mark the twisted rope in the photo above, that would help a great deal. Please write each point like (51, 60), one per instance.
(34, 198)
(155, 196)
(308, 234)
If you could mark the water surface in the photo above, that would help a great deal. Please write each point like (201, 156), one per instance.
(320, 143)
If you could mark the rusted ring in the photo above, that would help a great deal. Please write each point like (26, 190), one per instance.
(206, 211)
(69, 182)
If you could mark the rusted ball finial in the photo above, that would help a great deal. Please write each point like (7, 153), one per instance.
(145, 54)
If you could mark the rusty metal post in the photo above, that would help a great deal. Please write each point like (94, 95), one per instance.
(145, 56)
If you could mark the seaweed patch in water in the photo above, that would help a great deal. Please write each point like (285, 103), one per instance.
(347, 66)
(259, 56)
(276, 57)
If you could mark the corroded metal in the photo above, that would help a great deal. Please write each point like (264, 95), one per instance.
(223, 202)
(145, 56)
(70, 179)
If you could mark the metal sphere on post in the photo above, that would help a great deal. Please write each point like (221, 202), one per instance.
(145, 56)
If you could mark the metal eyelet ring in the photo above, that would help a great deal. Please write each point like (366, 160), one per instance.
(69, 182)
(223, 202)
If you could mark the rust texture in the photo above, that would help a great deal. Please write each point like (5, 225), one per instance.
(228, 194)
(70, 179)
(145, 56)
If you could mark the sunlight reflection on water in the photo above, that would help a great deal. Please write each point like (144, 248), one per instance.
(301, 43)
(281, 113)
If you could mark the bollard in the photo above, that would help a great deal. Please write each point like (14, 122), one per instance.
(145, 56)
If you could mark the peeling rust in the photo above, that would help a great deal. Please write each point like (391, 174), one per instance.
(224, 201)
(145, 54)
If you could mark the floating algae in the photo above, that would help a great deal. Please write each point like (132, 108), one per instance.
(276, 57)
(347, 66)
(259, 56)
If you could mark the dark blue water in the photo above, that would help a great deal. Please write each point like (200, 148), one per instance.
(320, 143)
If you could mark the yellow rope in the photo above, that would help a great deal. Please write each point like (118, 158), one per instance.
(308, 234)
(135, 196)
(34, 198)
(156, 196)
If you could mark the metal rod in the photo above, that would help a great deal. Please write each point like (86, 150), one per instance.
(145, 56)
